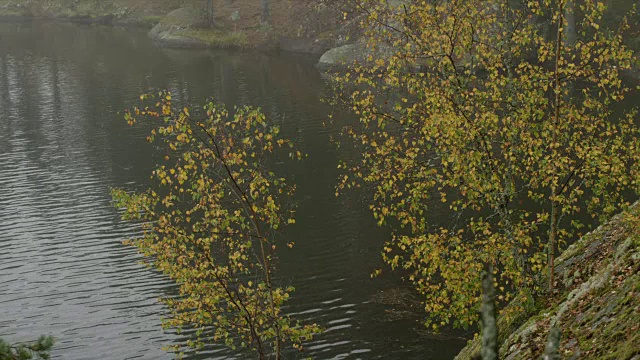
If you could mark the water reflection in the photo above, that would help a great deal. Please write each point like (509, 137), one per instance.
(63, 146)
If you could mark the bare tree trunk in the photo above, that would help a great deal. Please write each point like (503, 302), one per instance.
(570, 35)
(265, 10)
(553, 234)
(489, 324)
(555, 207)
(210, 14)
(553, 345)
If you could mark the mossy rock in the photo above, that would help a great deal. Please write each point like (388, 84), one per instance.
(597, 303)
(343, 56)
(171, 29)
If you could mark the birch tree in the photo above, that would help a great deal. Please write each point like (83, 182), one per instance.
(209, 220)
(468, 104)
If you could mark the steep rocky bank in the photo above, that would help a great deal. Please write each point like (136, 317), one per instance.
(294, 25)
(596, 305)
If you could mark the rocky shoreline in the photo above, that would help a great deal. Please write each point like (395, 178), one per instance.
(185, 27)
(299, 27)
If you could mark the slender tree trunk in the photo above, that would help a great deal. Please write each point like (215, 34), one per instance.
(265, 10)
(266, 257)
(489, 324)
(553, 226)
(570, 35)
(210, 14)
(553, 234)
(553, 345)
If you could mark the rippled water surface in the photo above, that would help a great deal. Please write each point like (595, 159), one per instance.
(63, 146)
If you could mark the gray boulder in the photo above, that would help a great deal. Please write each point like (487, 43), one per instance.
(343, 56)
(171, 29)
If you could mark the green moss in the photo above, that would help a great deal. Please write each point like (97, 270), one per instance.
(596, 309)
(605, 329)
(507, 325)
(151, 20)
(218, 38)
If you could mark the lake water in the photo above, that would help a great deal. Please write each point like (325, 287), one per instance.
(64, 145)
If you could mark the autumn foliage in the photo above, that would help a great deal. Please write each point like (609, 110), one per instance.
(209, 221)
(497, 114)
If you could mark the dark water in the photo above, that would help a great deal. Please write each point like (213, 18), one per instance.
(63, 145)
